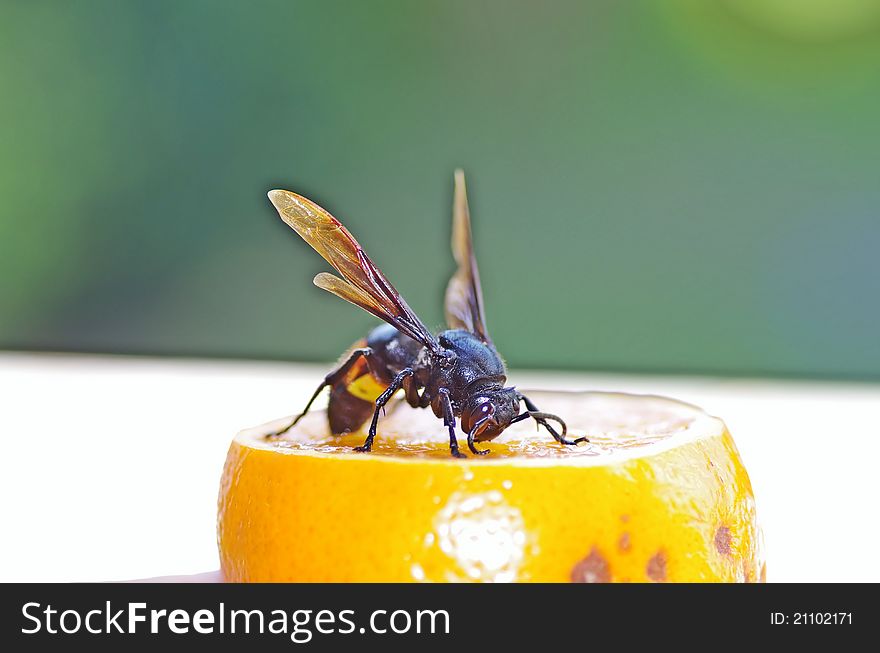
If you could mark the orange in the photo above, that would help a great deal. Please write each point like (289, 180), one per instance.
(658, 495)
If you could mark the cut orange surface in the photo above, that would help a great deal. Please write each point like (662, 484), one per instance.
(658, 495)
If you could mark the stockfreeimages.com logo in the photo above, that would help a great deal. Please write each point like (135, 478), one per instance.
(299, 625)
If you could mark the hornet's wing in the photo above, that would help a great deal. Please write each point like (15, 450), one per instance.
(464, 296)
(362, 283)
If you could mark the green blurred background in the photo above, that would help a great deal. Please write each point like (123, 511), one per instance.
(676, 186)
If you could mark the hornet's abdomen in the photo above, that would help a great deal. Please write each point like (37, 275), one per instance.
(352, 399)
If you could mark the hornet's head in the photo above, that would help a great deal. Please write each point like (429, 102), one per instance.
(487, 414)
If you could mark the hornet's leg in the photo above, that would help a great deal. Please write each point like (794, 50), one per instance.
(541, 418)
(331, 379)
(381, 400)
(411, 393)
(449, 422)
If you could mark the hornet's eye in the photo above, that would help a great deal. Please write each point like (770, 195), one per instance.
(481, 411)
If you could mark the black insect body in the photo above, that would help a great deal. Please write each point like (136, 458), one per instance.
(458, 373)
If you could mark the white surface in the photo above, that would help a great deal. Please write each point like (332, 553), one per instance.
(90, 491)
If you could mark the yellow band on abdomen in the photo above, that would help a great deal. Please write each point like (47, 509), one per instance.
(365, 387)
